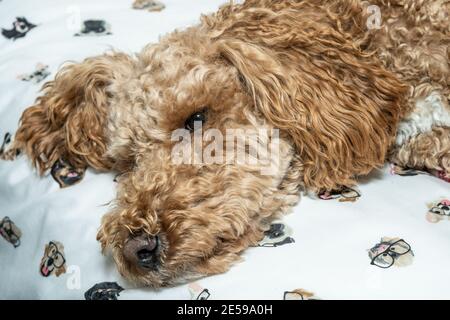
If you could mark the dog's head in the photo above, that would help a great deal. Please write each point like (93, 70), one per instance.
(53, 260)
(323, 113)
(216, 129)
(180, 215)
(189, 205)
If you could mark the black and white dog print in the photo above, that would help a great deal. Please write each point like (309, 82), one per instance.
(439, 211)
(94, 28)
(65, 174)
(344, 194)
(10, 232)
(5, 143)
(391, 252)
(19, 30)
(149, 5)
(104, 291)
(7, 153)
(278, 234)
(36, 76)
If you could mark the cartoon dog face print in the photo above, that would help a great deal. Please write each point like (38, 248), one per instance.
(198, 292)
(404, 172)
(6, 142)
(7, 153)
(443, 175)
(94, 28)
(20, 28)
(391, 251)
(36, 76)
(53, 261)
(439, 211)
(65, 174)
(10, 232)
(150, 5)
(279, 234)
(408, 172)
(345, 194)
(299, 294)
(104, 291)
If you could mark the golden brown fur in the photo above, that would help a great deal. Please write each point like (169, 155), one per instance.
(311, 68)
(430, 150)
(68, 120)
(414, 43)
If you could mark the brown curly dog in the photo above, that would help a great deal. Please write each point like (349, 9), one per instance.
(345, 93)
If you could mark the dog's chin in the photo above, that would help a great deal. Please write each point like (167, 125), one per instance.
(166, 273)
(152, 279)
(157, 278)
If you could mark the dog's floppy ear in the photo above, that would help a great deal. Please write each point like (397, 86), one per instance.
(68, 120)
(338, 105)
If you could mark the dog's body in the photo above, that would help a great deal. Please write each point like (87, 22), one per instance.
(344, 97)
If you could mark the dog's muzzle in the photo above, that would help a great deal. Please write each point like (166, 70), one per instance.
(142, 251)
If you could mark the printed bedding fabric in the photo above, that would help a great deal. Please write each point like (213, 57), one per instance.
(389, 238)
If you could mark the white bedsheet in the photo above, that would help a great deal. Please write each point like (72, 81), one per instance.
(329, 256)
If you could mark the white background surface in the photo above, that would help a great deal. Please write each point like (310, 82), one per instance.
(329, 256)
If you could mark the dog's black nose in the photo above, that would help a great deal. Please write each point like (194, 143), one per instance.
(142, 250)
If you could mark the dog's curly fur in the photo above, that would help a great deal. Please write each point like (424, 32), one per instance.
(311, 68)
(430, 151)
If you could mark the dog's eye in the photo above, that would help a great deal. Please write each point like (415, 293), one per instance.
(199, 117)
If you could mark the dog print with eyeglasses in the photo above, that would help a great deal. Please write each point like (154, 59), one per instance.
(53, 261)
(299, 294)
(65, 174)
(94, 28)
(149, 5)
(10, 232)
(104, 291)
(439, 211)
(344, 194)
(19, 30)
(198, 292)
(5, 152)
(278, 234)
(391, 251)
(36, 76)
(408, 172)
(5, 143)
